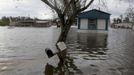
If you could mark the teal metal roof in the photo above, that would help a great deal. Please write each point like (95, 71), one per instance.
(94, 14)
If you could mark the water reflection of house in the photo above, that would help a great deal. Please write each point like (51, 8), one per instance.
(94, 40)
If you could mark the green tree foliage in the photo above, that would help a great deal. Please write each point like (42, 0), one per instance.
(4, 21)
(130, 13)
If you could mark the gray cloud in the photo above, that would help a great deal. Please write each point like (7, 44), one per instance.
(32, 8)
(128, 1)
(36, 8)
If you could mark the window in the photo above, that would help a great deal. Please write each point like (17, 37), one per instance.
(92, 21)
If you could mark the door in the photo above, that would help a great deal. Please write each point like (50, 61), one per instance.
(92, 24)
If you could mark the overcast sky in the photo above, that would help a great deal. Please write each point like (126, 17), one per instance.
(36, 8)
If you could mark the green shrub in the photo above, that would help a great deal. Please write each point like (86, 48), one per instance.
(4, 23)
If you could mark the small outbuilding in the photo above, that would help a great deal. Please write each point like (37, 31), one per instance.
(42, 23)
(93, 20)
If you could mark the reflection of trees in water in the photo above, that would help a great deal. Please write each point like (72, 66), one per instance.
(66, 68)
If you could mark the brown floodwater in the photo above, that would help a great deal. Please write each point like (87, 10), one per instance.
(22, 52)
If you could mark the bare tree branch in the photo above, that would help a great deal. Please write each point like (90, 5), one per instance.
(67, 6)
(86, 6)
(67, 10)
(52, 6)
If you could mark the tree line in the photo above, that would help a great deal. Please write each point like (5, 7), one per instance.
(4, 21)
(127, 17)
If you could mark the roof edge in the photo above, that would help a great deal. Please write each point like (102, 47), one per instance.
(96, 10)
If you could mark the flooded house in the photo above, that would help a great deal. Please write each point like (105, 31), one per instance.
(42, 23)
(94, 20)
(26, 23)
(22, 23)
(31, 23)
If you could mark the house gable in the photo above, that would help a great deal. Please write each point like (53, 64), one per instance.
(94, 14)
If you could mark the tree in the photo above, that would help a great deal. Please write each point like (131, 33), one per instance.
(4, 21)
(130, 13)
(114, 20)
(126, 19)
(67, 10)
(118, 20)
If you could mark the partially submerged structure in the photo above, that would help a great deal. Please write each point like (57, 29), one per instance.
(93, 20)
(31, 23)
(42, 23)
(25, 23)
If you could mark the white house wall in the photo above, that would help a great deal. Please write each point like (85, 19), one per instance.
(84, 24)
(101, 24)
